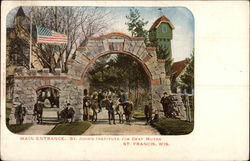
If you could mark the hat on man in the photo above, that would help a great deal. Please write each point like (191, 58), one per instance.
(85, 91)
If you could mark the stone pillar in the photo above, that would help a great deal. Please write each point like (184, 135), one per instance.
(72, 94)
(24, 94)
(158, 87)
(178, 106)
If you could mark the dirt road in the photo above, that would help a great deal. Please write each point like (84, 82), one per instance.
(102, 127)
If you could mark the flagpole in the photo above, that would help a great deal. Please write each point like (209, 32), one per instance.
(31, 16)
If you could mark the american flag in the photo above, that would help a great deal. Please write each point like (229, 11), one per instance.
(48, 36)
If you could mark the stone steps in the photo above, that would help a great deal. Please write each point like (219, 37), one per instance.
(50, 120)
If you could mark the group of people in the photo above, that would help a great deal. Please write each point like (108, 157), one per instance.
(113, 102)
(168, 108)
(21, 111)
(103, 95)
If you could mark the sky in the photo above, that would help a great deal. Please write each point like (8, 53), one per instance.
(183, 20)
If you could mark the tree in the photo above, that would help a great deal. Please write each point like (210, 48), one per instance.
(136, 24)
(186, 80)
(161, 54)
(136, 27)
(76, 22)
(117, 72)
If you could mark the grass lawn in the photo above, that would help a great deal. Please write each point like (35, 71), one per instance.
(19, 128)
(139, 114)
(75, 128)
(168, 126)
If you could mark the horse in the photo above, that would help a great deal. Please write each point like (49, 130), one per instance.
(66, 114)
(128, 109)
(105, 103)
(38, 112)
(119, 111)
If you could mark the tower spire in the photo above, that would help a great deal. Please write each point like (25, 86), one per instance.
(160, 13)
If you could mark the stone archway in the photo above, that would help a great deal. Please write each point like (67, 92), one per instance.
(49, 95)
(92, 61)
(71, 84)
(28, 82)
(95, 47)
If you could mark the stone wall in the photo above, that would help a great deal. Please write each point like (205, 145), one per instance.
(95, 47)
(27, 82)
(178, 106)
(71, 84)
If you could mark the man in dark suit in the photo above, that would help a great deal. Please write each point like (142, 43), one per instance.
(20, 112)
(165, 104)
(148, 110)
(100, 99)
(86, 105)
(111, 111)
(123, 97)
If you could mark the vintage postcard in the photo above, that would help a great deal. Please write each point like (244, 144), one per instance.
(98, 76)
(67, 69)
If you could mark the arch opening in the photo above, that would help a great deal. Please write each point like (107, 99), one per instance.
(92, 61)
(119, 71)
(49, 95)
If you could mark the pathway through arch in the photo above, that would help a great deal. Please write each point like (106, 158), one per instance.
(102, 127)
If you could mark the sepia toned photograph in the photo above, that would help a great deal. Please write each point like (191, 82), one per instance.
(86, 70)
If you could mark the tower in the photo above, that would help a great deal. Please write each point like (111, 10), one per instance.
(21, 19)
(160, 36)
(18, 49)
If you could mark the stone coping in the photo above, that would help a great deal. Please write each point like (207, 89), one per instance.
(115, 34)
(41, 77)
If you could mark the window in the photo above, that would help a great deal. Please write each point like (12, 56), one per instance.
(164, 29)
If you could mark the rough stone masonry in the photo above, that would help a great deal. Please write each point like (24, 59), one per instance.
(70, 85)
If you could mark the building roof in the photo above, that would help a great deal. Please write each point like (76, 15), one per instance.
(20, 12)
(178, 67)
(158, 22)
